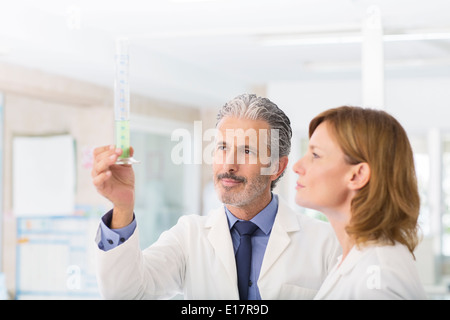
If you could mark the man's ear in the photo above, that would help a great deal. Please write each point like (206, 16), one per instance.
(282, 164)
(360, 176)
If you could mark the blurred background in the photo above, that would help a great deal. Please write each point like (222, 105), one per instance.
(187, 58)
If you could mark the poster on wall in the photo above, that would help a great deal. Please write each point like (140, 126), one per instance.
(43, 175)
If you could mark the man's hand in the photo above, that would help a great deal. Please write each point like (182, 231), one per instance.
(114, 182)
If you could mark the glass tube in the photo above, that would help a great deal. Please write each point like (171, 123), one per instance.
(122, 101)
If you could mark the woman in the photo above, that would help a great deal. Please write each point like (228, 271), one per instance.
(359, 171)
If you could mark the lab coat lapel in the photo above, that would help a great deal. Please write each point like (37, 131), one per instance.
(330, 282)
(338, 271)
(220, 238)
(279, 239)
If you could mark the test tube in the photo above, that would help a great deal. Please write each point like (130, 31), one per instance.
(122, 102)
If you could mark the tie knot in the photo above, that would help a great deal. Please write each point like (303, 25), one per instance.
(245, 227)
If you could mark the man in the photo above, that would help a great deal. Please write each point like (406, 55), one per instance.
(286, 255)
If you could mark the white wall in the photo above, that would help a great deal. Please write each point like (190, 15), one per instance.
(302, 101)
(418, 103)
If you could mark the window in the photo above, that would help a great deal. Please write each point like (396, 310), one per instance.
(309, 212)
(446, 195)
(422, 163)
(164, 190)
(159, 186)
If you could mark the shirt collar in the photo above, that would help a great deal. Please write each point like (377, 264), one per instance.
(264, 219)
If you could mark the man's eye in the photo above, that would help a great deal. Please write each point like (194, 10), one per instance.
(249, 152)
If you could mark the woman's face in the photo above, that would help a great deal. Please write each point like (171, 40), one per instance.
(324, 175)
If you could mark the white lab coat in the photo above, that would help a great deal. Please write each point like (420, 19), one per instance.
(374, 272)
(196, 258)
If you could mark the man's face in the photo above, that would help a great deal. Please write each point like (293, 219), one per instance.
(241, 146)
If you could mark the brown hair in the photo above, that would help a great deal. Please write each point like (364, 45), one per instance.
(386, 209)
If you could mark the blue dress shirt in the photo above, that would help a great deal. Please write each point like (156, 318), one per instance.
(111, 238)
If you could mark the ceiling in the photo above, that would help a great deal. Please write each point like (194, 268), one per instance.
(202, 52)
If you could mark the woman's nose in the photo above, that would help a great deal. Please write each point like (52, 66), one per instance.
(298, 167)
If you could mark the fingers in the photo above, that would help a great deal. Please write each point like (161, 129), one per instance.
(102, 149)
(104, 164)
(101, 178)
(104, 157)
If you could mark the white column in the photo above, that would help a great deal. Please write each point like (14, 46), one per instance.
(372, 60)
(2, 108)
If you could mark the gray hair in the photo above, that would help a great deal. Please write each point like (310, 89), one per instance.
(249, 106)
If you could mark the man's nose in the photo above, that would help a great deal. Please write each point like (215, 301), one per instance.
(231, 160)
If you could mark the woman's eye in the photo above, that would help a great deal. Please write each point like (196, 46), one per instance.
(315, 155)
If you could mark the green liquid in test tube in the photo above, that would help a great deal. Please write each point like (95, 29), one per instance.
(122, 102)
(123, 137)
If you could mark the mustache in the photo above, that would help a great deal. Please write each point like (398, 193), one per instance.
(232, 176)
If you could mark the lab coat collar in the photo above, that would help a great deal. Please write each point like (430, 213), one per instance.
(264, 219)
(352, 259)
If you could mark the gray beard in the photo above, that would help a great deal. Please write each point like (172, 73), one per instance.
(252, 190)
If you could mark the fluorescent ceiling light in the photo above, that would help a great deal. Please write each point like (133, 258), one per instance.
(191, 1)
(347, 39)
(344, 66)
(301, 41)
(416, 37)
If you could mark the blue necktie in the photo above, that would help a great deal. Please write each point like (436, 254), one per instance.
(244, 256)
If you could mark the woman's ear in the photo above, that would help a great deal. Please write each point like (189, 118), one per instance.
(360, 176)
